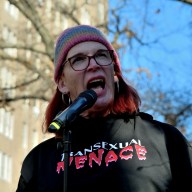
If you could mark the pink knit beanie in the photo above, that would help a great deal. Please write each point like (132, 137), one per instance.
(74, 35)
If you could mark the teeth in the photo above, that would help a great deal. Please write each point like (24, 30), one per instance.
(96, 83)
(97, 80)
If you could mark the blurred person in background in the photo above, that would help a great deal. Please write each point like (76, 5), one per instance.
(114, 147)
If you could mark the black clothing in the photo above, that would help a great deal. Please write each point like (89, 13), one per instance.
(112, 154)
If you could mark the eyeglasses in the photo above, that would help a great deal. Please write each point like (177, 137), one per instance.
(81, 62)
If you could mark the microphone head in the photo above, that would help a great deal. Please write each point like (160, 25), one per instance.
(90, 96)
(84, 101)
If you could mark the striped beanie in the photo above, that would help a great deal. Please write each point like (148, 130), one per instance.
(74, 35)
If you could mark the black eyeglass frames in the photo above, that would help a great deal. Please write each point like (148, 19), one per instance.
(80, 62)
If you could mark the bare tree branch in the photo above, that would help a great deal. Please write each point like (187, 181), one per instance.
(29, 11)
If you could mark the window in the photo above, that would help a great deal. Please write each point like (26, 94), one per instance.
(25, 136)
(85, 16)
(101, 11)
(1, 165)
(5, 167)
(7, 123)
(2, 111)
(11, 38)
(35, 138)
(8, 79)
(11, 9)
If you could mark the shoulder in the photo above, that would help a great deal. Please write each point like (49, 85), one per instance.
(43, 148)
(36, 155)
(47, 144)
(179, 151)
(149, 119)
(172, 133)
(165, 126)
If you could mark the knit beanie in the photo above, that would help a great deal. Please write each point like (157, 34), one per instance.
(74, 35)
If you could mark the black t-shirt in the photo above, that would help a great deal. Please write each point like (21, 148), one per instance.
(116, 154)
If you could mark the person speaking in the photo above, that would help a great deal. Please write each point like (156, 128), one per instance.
(114, 146)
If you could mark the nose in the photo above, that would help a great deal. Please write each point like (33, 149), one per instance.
(93, 64)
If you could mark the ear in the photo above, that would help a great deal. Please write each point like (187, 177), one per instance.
(116, 80)
(61, 86)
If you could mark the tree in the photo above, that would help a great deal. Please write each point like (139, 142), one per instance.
(187, 1)
(37, 82)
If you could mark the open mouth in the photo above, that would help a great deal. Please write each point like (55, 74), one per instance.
(98, 83)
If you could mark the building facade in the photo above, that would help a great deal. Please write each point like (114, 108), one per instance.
(21, 120)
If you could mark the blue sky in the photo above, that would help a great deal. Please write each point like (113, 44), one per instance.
(165, 27)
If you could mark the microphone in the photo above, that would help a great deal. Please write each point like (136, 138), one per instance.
(83, 102)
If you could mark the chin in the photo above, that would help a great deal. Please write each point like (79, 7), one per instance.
(104, 101)
(97, 113)
(101, 106)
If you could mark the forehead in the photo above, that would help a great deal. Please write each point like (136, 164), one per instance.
(88, 47)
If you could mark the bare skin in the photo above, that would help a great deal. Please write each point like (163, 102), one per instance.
(75, 82)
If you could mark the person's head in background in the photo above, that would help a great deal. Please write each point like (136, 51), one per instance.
(85, 59)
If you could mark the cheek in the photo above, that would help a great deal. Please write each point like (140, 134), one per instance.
(74, 82)
(69, 76)
(111, 80)
(71, 82)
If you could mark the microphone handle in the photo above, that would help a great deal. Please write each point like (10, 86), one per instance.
(55, 126)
